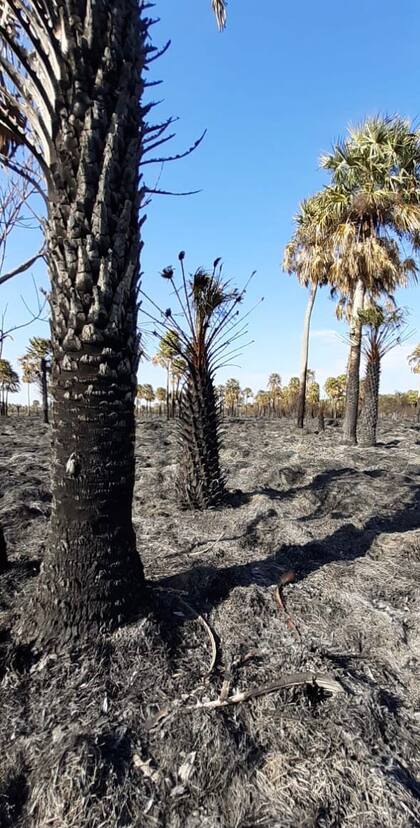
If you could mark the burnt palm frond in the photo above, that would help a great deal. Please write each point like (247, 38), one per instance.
(207, 330)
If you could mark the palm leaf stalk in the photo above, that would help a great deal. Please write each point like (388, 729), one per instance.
(383, 332)
(206, 334)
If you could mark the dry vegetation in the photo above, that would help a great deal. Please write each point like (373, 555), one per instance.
(109, 738)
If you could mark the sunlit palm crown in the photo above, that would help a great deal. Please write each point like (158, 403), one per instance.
(352, 228)
(308, 254)
(414, 360)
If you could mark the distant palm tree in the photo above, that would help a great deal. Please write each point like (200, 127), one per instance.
(9, 384)
(38, 354)
(309, 256)
(372, 205)
(161, 397)
(232, 395)
(383, 333)
(274, 388)
(247, 394)
(414, 360)
(335, 389)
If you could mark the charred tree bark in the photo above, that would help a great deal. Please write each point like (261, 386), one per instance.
(353, 369)
(369, 414)
(301, 403)
(201, 481)
(92, 577)
(44, 390)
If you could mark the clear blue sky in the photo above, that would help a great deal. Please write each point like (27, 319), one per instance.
(273, 91)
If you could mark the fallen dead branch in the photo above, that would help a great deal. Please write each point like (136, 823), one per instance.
(286, 578)
(203, 623)
(323, 682)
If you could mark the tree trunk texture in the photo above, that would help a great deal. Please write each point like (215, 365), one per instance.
(301, 403)
(3, 552)
(369, 414)
(92, 578)
(353, 369)
(201, 481)
(44, 390)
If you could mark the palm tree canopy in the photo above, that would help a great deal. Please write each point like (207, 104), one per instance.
(307, 254)
(353, 227)
(375, 176)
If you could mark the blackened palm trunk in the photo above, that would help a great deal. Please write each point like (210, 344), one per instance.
(44, 390)
(369, 415)
(301, 403)
(353, 369)
(201, 481)
(92, 576)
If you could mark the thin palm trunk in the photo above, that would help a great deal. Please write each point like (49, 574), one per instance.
(168, 413)
(304, 356)
(92, 576)
(29, 399)
(201, 481)
(44, 390)
(353, 368)
(369, 414)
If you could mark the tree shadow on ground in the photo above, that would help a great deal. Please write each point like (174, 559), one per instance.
(209, 585)
(237, 498)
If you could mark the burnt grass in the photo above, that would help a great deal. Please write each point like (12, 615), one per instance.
(108, 736)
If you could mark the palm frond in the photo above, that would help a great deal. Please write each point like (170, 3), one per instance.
(219, 8)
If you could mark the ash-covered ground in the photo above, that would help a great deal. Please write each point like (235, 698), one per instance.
(121, 737)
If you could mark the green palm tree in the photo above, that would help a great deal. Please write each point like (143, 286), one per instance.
(275, 391)
(414, 360)
(371, 207)
(232, 395)
(309, 257)
(383, 333)
(9, 384)
(74, 99)
(335, 389)
(38, 355)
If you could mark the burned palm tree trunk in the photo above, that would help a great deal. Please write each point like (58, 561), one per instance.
(201, 481)
(369, 414)
(92, 576)
(353, 369)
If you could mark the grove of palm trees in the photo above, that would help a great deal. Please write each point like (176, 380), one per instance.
(209, 478)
